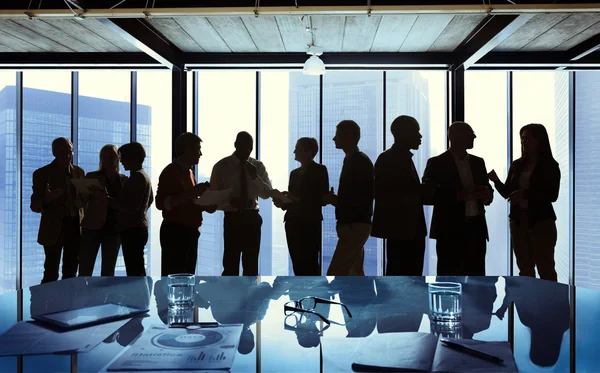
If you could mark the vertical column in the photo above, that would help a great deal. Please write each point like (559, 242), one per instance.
(133, 108)
(75, 115)
(458, 95)
(509, 152)
(321, 119)
(19, 171)
(195, 109)
(384, 108)
(257, 137)
(572, 197)
(179, 102)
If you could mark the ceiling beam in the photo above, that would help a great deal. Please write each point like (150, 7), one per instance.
(584, 48)
(492, 31)
(145, 37)
(536, 60)
(128, 60)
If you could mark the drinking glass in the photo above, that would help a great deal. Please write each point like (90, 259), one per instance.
(181, 290)
(445, 302)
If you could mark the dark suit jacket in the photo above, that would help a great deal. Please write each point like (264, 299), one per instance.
(544, 185)
(53, 212)
(398, 208)
(95, 209)
(448, 212)
(309, 187)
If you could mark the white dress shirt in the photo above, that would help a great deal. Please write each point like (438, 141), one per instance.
(226, 174)
(466, 178)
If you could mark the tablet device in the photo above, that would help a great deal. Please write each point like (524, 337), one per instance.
(86, 316)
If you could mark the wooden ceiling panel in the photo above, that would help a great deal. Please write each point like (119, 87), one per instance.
(234, 33)
(359, 33)
(457, 30)
(329, 32)
(203, 33)
(102, 31)
(265, 33)
(16, 44)
(25, 33)
(76, 30)
(171, 30)
(589, 32)
(56, 34)
(294, 33)
(392, 31)
(561, 32)
(425, 31)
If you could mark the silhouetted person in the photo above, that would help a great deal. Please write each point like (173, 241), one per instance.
(99, 225)
(133, 203)
(543, 307)
(398, 215)
(353, 204)
(177, 190)
(303, 218)
(458, 223)
(401, 303)
(532, 186)
(55, 197)
(358, 294)
(248, 180)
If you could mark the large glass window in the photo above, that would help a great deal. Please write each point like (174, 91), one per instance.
(46, 116)
(542, 97)
(153, 127)
(420, 94)
(8, 183)
(355, 95)
(104, 116)
(289, 111)
(587, 179)
(485, 111)
(226, 106)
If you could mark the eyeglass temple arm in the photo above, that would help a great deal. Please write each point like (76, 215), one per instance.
(307, 311)
(326, 301)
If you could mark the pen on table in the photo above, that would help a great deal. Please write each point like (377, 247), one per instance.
(470, 351)
(197, 325)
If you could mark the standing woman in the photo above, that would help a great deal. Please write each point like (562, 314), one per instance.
(133, 202)
(531, 187)
(303, 218)
(99, 225)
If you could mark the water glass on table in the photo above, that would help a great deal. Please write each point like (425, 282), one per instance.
(445, 302)
(181, 290)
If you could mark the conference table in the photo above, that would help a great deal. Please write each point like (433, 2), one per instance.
(551, 327)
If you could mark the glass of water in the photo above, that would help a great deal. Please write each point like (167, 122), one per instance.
(445, 302)
(181, 290)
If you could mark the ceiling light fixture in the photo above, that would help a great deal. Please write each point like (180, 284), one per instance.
(314, 65)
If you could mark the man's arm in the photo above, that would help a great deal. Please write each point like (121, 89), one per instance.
(265, 186)
(324, 182)
(38, 197)
(487, 201)
(131, 198)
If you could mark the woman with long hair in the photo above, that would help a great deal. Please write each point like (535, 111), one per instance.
(99, 225)
(531, 187)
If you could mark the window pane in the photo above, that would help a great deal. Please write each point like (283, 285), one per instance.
(104, 116)
(542, 97)
(154, 132)
(289, 110)
(485, 111)
(587, 179)
(8, 183)
(420, 94)
(46, 116)
(356, 95)
(226, 106)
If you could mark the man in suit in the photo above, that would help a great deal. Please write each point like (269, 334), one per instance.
(458, 223)
(398, 215)
(56, 199)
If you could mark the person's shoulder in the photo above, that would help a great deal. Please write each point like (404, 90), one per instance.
(123, 177)
(476, 158)
(42, 170)
(223, 161)
(255, 162)
(78, 170)
(364, 159)
(93, 174)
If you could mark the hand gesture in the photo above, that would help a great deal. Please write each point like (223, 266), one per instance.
(517, 196)
(428, 189)
(251, 169)
(482, 192)
(211, 209)
(199, 189)
(329, 198)
(53, 194)
(493, 176)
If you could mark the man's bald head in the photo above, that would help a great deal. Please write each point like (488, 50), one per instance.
(461, 135)
(62, 150)
(406, 132)
(244, 144)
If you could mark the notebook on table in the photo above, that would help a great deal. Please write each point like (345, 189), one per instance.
(422, 352)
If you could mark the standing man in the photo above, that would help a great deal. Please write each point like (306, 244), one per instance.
(353, 204)
(56, 199)
(398, 215)
(177, 190)
(458, 223)
(248, 180)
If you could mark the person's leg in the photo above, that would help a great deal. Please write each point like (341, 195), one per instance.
(51, 262)
(405, 257)
(111, 242)
(348, 256)
(449, 257)
(293, 235)
(72, 243)
(90, 243)
(361, 232)
(233, 238)
(519, 237)
(174, 247)
(543, 238)
(191, 245)
(134, 241)
(475, 249)
(314, 239)
(251, 249)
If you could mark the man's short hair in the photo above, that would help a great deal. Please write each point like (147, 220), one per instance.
(134, 151)
(457, 126)
(351, 128)
(244, 136)
(401, 124)
(185, 141)
(309, 143)
(60, 141)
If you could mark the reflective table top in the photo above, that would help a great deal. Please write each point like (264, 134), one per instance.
(552, 327)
